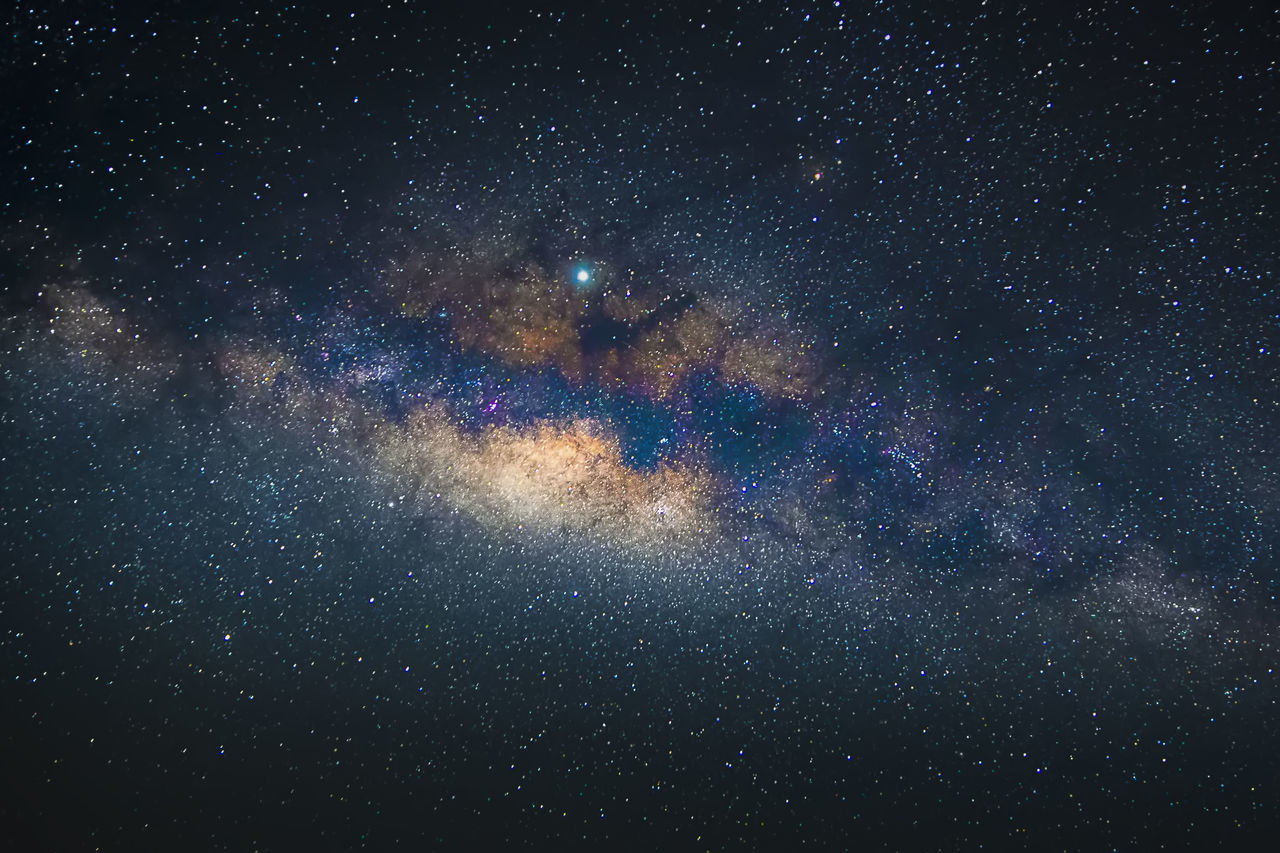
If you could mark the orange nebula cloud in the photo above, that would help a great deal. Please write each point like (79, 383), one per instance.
(526, 318)
(551, 477)
(529, 318)
(777, 364)
(525, 321)
(660, 359)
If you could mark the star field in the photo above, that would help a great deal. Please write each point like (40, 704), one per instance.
(833, 425)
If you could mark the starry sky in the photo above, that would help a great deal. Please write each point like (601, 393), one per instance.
(639, 425)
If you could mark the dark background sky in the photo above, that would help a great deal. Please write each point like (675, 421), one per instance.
(902, 475)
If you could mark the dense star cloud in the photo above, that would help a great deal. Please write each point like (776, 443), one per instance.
(834, 425)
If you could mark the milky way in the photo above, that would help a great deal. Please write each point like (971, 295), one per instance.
(805, 426)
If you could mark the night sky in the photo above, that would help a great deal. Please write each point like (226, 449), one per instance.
(639, 426)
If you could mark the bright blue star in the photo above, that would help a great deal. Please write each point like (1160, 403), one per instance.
(582, 275)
